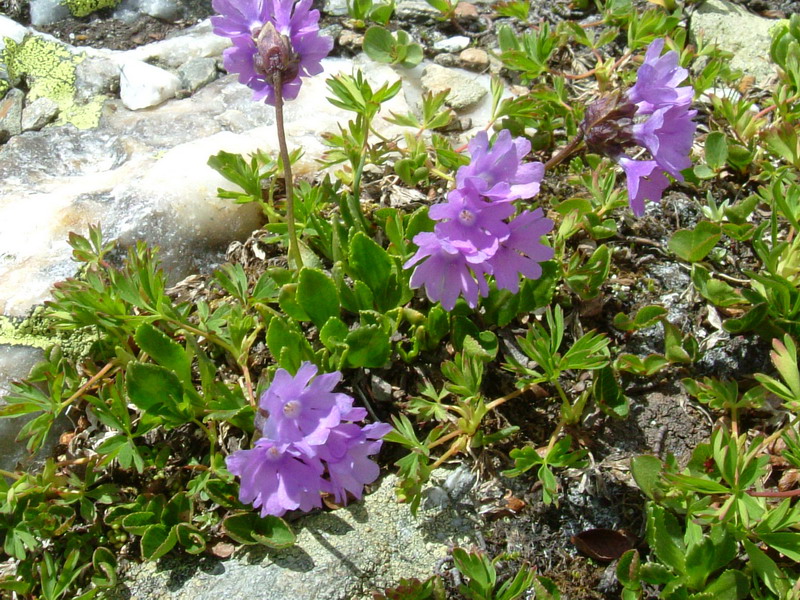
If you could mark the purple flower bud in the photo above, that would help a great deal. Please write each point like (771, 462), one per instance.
(275, 56)
(607, 125)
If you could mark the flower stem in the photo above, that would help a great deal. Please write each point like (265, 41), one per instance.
(294, 248)
(564, 152)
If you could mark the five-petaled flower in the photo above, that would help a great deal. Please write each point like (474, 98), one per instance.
(271, 38)
(310, 444)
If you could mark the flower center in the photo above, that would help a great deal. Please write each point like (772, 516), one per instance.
(292, 409)
(467, 217)
(273, 453)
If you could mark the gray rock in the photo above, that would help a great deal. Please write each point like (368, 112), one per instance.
(168, 10)
(11, 29)
(446, 60)
(736, 30)
(142, 85)
(11, 114)
(340, 555)
(465, 90)
(336, 8)
(452, 44)
(415, 10)
(46, 12)
(198, 72)
(38, 113)
(196, 42)
(96, 76)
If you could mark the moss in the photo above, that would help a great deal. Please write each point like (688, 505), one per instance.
(48, 69)
(81, 8)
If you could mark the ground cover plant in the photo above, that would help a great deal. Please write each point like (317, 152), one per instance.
(511, 312)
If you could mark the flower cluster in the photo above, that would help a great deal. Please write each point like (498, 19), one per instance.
(310, 444)
(655, 115)
(271, 38)
(473, 237)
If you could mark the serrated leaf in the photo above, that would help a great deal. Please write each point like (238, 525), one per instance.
(316, 294)
(693, 245)
(157, 541)
(165, 351)
(156, 391)
(191, 538)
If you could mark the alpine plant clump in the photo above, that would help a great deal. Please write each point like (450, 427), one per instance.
(310, 444)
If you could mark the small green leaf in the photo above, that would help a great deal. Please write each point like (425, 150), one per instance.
(645, 317)
(191, 538)
(716, 150)
(156, 391)
(693, 245)
(368, 346)
(608, 394)
(157, 541)
(316, 294)
(104, 563)
(165, 351)
(249, 528)
(646, 471)
(138, 522)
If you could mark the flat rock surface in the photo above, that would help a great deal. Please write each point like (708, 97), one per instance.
(341, 555)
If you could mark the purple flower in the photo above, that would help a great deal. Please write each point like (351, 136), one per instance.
(646, 181)
(271, 37)
(302, 410)
(278, 477)
(522, 251)
(657, 81)
(668, 134)
(450, 270)
(348, 464)
(654, 114)
(310, 445)
(468, 220)
(498, 172)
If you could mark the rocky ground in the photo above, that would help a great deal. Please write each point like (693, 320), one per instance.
(141, 171)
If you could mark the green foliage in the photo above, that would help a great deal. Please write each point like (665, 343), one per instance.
(395, 49)
(529, 53)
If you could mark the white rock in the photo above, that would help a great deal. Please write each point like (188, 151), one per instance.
(739, 31)
(336, 8)
(38, 113)
(453, 44)
(11, 29)
(46, 12)
(197, 42)
(466, 90)
(142, 85)
(169, 10)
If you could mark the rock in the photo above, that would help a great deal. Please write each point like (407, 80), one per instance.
(466, 11)
(335, 8)
(142, 85)
(736, 30)
(11, 29)
(47, 12)
(11, 114)
(196, 42)
(96, 76)
(341, 555)
(465, 91)
(38, 113)
(168, 10)
(415, 10)
(453, 44)
(446, 60)
(351, 40)
(15, 364)
(474, 59)
(198, 72)
(143, 176)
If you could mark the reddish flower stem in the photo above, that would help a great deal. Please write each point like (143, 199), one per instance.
(294, 248)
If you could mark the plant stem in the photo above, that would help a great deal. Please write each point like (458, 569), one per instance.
(564, 152)
(294, 248)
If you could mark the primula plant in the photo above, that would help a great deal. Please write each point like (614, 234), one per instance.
(589, 300)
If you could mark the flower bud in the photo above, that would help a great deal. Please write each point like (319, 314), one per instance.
(608, 125)
(275, 55)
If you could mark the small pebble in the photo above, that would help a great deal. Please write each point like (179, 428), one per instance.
(466, 11)
(474, 59)
(351, 40)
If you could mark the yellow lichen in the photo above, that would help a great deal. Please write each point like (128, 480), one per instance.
(48, 69)
(81, 8)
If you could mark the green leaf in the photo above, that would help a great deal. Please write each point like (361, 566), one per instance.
(191, 538)
(372, 264)
(628, 570)
(316, 294)
(138, 522)
(645, 317)
(368, 346)
(767, 570)
(379, 44)
(608, 394)
(104, 563)
(289, 303)
(165, 351)
(249, 528)
(731, 585)
(157, 541)
(646, 471)
(693, 245)
(787, 543)
(156, 391)
(716, 150)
